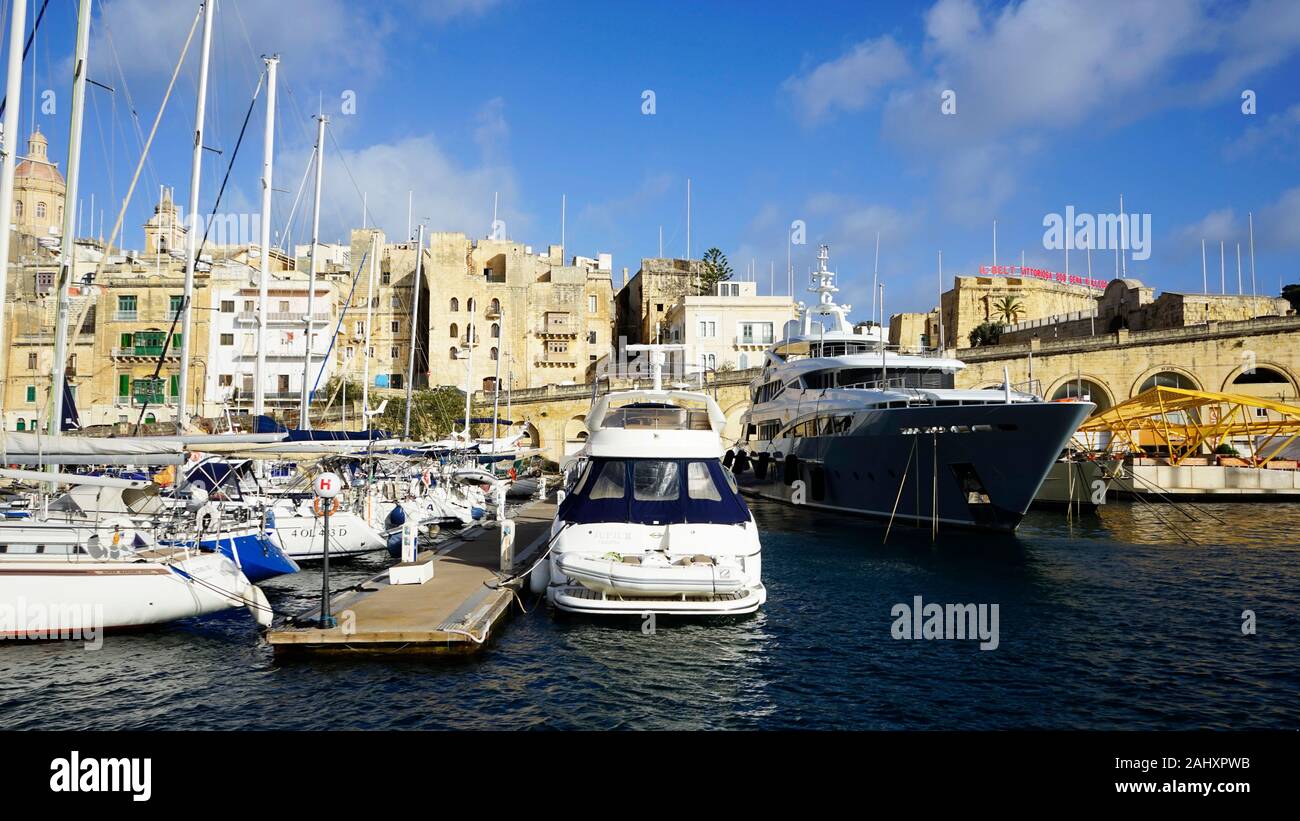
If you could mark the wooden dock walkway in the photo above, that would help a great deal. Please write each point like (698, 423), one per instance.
(455, 611)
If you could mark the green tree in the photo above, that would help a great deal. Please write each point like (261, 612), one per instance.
(1291, 293)
(434, 413)
(985, 333)
(716, 269)
(1008, 309)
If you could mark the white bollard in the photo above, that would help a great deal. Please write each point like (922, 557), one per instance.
(541, 487)
(507, 545)
(559, 497)
(410, 535)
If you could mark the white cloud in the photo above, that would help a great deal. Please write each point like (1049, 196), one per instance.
(1280, 134)
(849, 82)
(1028, 70)
(452, 195)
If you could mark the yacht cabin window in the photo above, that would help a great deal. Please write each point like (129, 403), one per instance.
(609, 482)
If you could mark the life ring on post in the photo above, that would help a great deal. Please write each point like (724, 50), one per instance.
(333, 506)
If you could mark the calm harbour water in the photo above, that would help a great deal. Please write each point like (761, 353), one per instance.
(1116, 622)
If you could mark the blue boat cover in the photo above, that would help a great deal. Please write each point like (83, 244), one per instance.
(654, 491)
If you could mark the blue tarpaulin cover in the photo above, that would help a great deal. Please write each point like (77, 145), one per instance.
(654, 491)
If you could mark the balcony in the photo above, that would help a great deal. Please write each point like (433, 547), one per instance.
(755, 340)
(126, 316)
(146, 352)
(280, 318)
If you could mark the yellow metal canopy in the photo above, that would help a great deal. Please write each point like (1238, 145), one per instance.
(1185, 420)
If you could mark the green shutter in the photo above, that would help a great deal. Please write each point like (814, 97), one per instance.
(176, 343)
(174, 384)
(23, 426)
(124, 384)
(31, 393)
(126, 340)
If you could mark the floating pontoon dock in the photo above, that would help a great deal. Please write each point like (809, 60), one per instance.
(455, 611)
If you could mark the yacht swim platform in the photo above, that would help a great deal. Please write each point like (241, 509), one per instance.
(456, 611)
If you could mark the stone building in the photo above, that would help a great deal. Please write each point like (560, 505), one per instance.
(644, 300)
(495, 300)
(973, 300)
(728, 329)
(914, 332)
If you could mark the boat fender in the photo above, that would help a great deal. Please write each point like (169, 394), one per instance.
(791, 472)
(742, 462)
(817, 482)
(728, 458)
(540, 578)
(760, 466)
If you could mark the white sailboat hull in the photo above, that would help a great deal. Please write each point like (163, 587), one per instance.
(53, 594)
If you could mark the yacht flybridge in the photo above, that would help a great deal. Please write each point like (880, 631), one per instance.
(838, 421)
(652, 520)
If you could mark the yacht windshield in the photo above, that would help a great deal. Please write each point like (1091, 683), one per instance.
(652, 491)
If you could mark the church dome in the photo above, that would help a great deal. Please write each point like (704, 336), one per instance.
(36, 165)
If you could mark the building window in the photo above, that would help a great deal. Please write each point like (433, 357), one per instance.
(175, 301)
(756, 333)
(393, 353)
(31, 394)
(395, 380)
(349, 352)
(591, 303)
(385, 277)
(493, 354)
(454, 331)
(496, 331)
(44, 282)
(225, 380)
(227, 306)
(455, 305)
(227, 339)
(18, 213)
(284, 306)
(249, 306)
(393, 302)
(557, 346)
(282, 383)
(126, 306)
(22, 425)
(31, 361)
(708, 328)
(40, 210)
(395, 326)
(469, 305)
(455, 354)
(496, 307)
(591, 337)
(744, 361)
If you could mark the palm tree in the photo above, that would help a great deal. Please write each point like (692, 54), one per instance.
(1008, 309)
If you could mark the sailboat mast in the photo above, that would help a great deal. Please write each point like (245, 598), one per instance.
(264, 267)
(192, 238)
(68, 249)
(304, 420)
(13, 88)
(415, 315)
(365, 350)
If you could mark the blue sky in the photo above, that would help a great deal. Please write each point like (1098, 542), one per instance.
(827, 113)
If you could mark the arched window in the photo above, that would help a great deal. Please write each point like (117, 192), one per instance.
(494, 354)
(469, 305)
(40, 210)
(18, 214)
(1260, 376)
(744, 361)
(496, 331)
(454, 332)
(470, 338)
(496, 307)
(1167, 379)
(455, 354)
(455, 306)
(1077, 388)
(23, 425)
